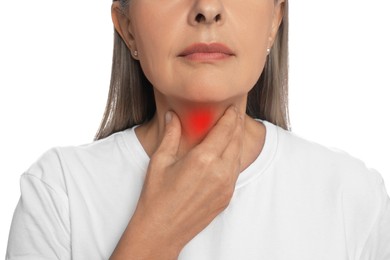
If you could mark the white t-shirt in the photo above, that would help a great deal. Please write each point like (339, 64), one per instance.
(297, 201)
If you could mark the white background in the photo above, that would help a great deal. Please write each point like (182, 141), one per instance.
(55, 61)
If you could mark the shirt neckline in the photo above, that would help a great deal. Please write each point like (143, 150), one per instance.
(253, 171)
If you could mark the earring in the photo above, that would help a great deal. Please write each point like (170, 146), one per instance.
(268, 51)
(135, 53)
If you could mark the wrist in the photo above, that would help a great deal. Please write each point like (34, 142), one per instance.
(151, 240)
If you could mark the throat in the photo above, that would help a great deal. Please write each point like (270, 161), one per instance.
(197, 123)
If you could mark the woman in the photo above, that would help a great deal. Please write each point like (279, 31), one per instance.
(194, 159)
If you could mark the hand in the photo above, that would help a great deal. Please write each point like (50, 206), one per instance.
(181, 196)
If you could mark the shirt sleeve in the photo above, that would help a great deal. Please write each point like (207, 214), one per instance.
(377, 246)
(40, 226)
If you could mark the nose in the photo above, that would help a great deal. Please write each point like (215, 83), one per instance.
(207, 12)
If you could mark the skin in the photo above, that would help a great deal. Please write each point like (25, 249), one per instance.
(196, 156)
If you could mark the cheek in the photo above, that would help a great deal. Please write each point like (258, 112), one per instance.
(250, 23)
(154, 33)
(254, 53)
(151, 55)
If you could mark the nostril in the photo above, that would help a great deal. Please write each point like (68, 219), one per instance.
(217, 18)
(200, 18)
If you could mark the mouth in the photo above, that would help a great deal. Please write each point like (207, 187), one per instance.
(207, 52)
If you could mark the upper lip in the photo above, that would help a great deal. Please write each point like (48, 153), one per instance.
(206, 48)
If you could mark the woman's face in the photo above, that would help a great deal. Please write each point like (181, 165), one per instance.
(202, 50)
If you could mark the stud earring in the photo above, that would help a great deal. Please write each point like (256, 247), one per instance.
(268, 50)
(136, 53)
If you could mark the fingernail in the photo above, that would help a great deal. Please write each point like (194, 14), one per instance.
(168, 117)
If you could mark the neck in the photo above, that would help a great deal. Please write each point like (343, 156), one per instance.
(197, 118)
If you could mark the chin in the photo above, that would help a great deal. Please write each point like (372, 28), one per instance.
(208, 97)
(207, 93)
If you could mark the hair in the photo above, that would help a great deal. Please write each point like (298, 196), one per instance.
(131, 98)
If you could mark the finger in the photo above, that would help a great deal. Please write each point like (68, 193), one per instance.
(172, 132)
(221, 134)
(233, 151)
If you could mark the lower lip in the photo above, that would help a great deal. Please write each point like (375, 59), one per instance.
(207, 56)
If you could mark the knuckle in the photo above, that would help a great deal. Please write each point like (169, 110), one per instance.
(227, 126)
(223, 182)
(153, 164)
(232, 111)
(205, 157)
(169, 131)
(224, 185)
(156, 160)
(224, 198)
(227, 194)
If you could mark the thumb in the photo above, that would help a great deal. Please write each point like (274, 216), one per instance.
(172, 132)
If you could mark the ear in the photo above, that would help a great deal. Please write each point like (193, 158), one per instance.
(122, 25)
(277, 20)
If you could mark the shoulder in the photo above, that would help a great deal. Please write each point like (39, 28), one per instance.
(361, 189)
(51, 166)
(311, 155)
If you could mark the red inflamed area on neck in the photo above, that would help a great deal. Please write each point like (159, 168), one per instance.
(199, 122)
